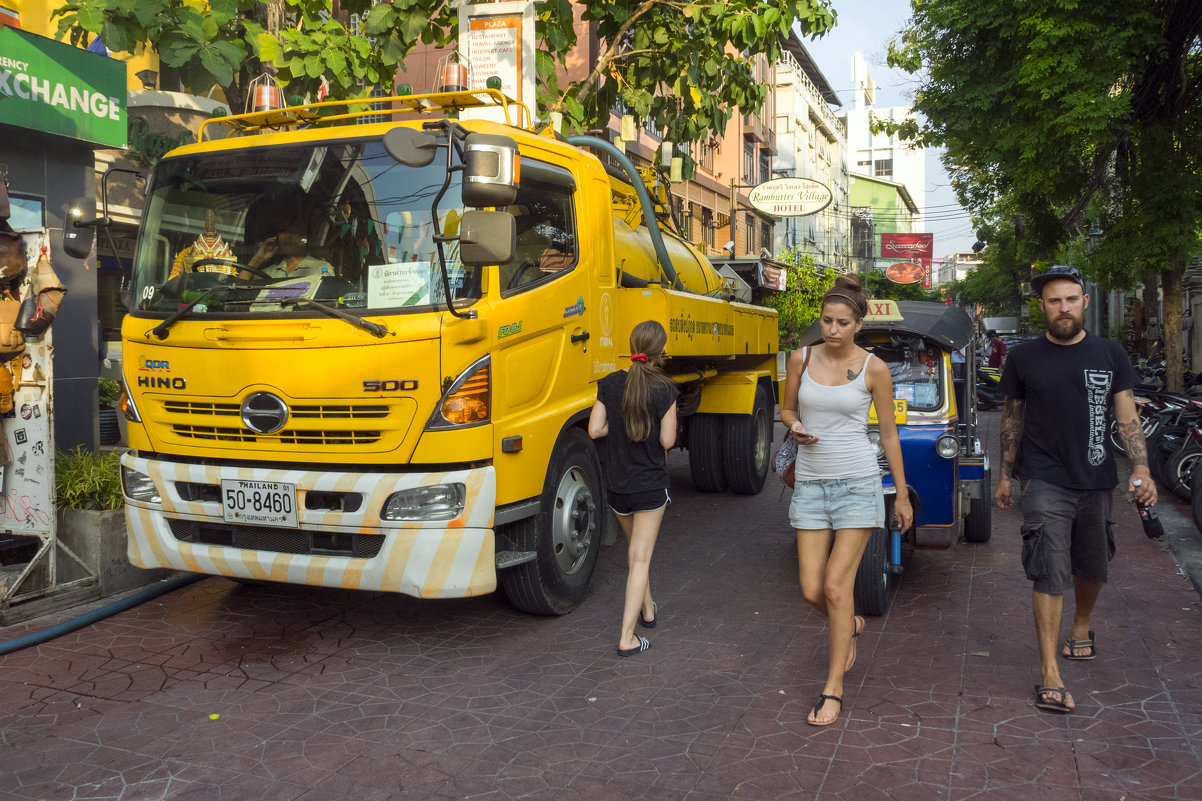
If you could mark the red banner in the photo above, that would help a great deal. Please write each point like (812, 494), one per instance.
(907, 246)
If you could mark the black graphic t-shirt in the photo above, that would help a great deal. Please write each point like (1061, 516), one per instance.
(1068, 393)
(634, 466)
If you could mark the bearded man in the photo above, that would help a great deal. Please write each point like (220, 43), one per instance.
(1060, 389)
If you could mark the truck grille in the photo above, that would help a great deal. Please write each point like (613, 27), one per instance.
(316, 411)
(286, 437)
(277, 540)
(229, 413)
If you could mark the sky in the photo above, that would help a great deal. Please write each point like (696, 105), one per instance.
(867, 26)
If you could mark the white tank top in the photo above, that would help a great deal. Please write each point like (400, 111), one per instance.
(838, 416)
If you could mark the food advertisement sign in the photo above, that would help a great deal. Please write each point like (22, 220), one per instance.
(905, 272)
(791, 197)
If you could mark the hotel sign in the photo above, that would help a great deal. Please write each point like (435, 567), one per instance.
(791, 197)
(55, 88)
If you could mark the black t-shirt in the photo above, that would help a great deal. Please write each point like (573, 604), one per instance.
(634, 466)
(1067, 393)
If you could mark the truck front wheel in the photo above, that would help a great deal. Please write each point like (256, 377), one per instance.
(748, 446)
(565, 535)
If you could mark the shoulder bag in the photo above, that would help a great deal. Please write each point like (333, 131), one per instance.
(786, 457)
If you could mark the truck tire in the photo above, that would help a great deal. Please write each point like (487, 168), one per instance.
(706, 452)
(978, 527)
(874, 580)
(748, 446)
(565, 534)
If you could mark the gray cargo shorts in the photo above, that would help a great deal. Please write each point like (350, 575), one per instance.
(1067, 533)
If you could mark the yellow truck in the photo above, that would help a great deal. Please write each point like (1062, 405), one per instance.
(361, 353)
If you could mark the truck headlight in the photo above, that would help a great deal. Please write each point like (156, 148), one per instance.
(874, 438)
(138, 486)
(467, 401)
(439, 502)
(947, 446)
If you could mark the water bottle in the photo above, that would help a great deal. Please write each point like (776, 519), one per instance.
(1151, 521)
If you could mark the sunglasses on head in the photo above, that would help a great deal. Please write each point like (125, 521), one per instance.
(1065, 271)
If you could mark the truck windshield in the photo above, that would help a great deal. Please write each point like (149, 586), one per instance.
(278, 230)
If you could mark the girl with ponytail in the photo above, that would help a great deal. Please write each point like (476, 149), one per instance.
(837, 496)
(636, 414)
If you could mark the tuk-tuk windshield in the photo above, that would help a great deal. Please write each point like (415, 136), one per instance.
(918, 376)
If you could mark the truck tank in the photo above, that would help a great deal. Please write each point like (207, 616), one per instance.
(635, 256)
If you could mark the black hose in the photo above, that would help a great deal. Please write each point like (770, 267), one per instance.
(68, 626)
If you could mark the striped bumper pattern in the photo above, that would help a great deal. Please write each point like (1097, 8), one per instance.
(426, 559)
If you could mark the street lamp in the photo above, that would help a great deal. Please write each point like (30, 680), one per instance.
(1093, 237)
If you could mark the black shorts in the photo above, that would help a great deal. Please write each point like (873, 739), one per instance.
(627, 503)
(1067, 534)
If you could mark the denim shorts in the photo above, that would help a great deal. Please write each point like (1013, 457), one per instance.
(836, 503)
(1066, 533)
(627, 503)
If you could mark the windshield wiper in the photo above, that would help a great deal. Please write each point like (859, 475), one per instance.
(160, 330)
(375, 329)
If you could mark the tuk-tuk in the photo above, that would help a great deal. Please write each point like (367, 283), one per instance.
(947, 470)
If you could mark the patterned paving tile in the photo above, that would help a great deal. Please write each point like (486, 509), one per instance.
(244, 692)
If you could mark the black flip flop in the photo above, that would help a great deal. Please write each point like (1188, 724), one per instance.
(1073, 645)
(650, 624)
(822, 699)
(1060, 706)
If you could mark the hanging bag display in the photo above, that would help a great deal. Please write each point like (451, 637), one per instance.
(12, 343)
(786, 457)
(41, 304)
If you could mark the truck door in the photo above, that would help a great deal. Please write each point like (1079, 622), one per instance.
(544, 319)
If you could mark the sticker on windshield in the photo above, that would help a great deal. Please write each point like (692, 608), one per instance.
(399, 284)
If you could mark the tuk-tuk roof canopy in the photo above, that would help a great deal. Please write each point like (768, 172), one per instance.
(949, 327)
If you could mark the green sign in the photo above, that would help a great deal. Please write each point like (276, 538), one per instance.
(59, 89)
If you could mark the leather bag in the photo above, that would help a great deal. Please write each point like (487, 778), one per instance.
(786, 456)
(12, 343)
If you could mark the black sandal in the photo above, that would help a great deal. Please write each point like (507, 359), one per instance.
(822, 699)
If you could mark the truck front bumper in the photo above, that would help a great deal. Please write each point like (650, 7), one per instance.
(340, 539)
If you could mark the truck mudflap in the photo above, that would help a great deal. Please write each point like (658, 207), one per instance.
(186, 529)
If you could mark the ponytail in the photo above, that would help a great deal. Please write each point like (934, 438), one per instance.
(647, 342)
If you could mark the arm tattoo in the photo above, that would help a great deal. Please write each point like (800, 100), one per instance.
(1132, 435)
(1012, 432)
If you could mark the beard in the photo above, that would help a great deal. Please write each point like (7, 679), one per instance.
(1066, 327)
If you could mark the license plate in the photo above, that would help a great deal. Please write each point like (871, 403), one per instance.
(899, 412)
(262, 503)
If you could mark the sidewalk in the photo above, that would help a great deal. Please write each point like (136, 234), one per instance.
(241, 693)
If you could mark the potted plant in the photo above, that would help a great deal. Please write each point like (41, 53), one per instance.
(110, 428)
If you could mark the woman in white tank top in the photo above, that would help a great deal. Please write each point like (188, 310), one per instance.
(837, 498)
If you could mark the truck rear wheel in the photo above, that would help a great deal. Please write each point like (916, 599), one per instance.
(874, 578)
(706, 452)
(748, 445)
(565, 534)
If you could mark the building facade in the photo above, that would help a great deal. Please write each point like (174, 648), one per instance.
(812, 143)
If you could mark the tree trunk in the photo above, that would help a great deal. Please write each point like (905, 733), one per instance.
(1150, 310)
(1174, 350)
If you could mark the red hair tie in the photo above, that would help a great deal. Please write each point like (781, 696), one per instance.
(638, 357)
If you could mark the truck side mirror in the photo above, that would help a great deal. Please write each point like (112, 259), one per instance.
(487, 237)
(78, 233)
(492, 168)
(411, 147)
